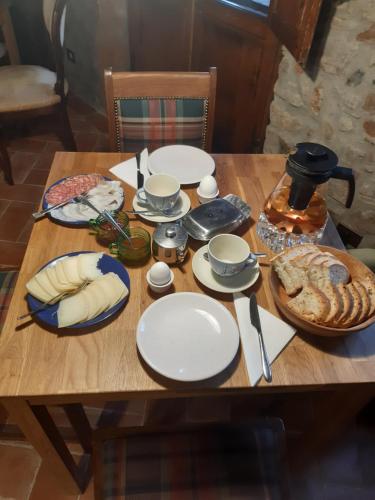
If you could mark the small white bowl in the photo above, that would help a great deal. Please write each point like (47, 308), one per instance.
(159, 288)
(206, 199)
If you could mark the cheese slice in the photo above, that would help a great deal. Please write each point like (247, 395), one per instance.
(37, 291)
(96, 302)
(72, 310)
(70, 266)
(99, 296)
(42, 280)
(55, 282)
(112, 287)
(60, 274)
(88, 266)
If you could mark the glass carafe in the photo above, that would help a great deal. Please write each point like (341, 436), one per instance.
(296, 211)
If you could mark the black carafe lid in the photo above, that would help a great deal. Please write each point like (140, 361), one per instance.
(312, 164)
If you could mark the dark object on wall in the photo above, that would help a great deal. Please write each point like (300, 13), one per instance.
(294, 22)
(36, 90)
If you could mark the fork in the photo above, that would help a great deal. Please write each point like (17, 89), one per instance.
(42, 213)
(55, 300)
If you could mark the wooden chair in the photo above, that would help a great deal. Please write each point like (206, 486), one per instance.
(238, 460)
(6, 26)
(29, 91)
(154, 109)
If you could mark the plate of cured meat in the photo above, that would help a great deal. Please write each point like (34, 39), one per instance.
(102, 192)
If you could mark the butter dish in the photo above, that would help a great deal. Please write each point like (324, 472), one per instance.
(221, 215)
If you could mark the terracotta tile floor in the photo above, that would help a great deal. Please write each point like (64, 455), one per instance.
(32, 149)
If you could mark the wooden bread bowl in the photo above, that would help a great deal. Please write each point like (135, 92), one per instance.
(357, 270)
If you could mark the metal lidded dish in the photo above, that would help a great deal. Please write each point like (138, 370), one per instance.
(222, 215)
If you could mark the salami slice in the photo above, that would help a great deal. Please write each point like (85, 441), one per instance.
(72, 186)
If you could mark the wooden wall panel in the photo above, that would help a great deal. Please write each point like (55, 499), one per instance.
(160, 34)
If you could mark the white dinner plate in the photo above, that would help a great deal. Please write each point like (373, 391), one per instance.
(228, 284)
(181, 208)
(187, 336)
(188, 164)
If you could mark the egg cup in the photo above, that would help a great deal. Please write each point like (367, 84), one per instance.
(205, 198)
(159, 288)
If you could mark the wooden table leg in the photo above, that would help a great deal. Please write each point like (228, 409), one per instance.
(64, 469)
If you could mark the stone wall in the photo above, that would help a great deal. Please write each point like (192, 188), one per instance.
(335, 108)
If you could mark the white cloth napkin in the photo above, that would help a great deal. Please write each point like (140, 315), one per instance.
(276, 333)
(127, 170)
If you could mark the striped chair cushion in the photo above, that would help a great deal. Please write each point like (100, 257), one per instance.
(152, 123)
(7, 282)
(225, 462)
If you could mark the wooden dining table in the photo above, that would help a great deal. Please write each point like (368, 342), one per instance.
(40, 367)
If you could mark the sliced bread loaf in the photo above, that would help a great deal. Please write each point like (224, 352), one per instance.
(351, 320)
(369, 283)
(290, 253)
(347, 302)
(293, 277)
(318, 275)
(311, 304)
(365, 301)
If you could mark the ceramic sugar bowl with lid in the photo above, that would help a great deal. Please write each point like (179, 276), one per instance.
(169, 243)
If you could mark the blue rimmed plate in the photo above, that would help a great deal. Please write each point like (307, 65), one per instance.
(106, 264)
(58, 216)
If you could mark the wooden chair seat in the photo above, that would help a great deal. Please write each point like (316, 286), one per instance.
(25, 88)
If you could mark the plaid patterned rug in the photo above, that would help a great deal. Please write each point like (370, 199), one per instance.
(236, 461)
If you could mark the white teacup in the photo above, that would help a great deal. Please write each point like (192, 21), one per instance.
(229, 254)
(161, 191)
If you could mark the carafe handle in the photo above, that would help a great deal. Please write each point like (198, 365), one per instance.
(346, 174)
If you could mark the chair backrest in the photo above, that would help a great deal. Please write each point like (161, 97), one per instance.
(54, 13)
(155, 109)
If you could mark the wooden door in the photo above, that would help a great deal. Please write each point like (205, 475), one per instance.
(246, 53)
(160, 34)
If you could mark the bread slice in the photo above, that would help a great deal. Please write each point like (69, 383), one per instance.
(347, 302)
(365, 301)
(351, 320)
(369, 283)
(304, 260)
(293, 277)
(291, 253)
(318, 275)
(311, 304)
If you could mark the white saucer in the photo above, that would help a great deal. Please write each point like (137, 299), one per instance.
(182, 207)
(187, 336)
(230, 284)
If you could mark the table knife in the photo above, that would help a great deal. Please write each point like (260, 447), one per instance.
(140, 177)
(255, 321)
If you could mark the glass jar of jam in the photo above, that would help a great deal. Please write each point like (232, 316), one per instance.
(104, 231)
(135, 251)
